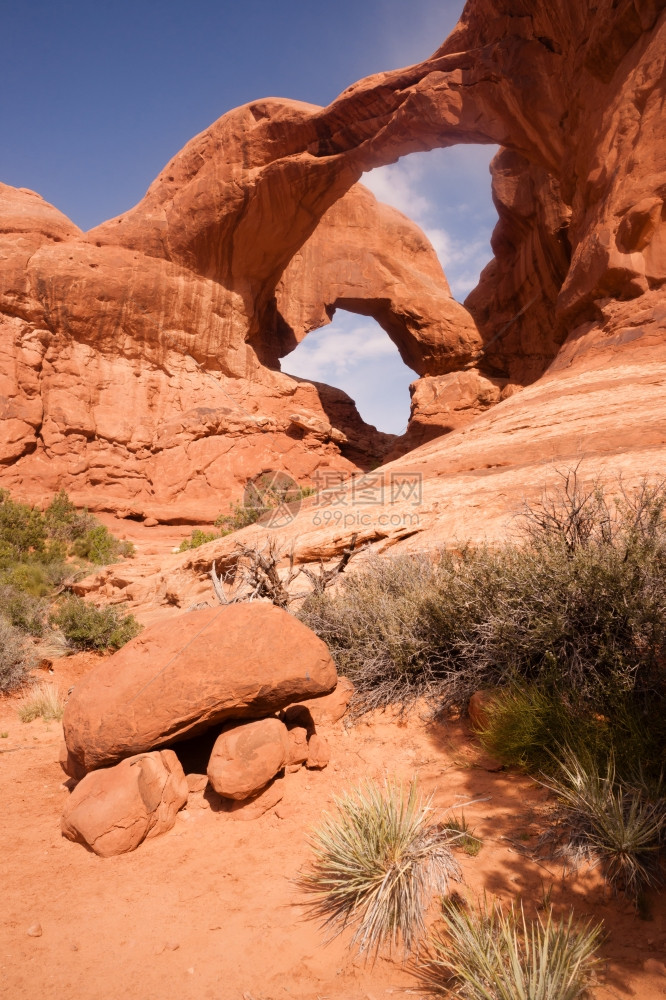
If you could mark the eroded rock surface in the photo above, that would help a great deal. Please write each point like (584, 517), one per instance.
(138, 356)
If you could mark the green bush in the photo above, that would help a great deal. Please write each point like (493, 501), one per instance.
(22, 530)
(197, 538)
(17, 657)
(100, 547)
(87, 627)
(64, 522)
(528, 726)
(377, 862)
(492, 955)
(265, 493)
(23, 610)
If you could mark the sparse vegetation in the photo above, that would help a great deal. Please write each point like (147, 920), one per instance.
(579, 608)
(87, 627)
(461, 836)
(17, 657)
(493, 955)
(266, 493)
(40, 551)
(377, 862)
(44, 701)
(197, 538)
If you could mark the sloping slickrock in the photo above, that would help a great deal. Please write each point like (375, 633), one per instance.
(247, 756)
(239, 661)
(113, 811)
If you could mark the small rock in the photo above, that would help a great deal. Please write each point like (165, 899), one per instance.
(112, 811)
(255, 807)
(150, 522)
(318, 753)
(298, 746)
(197, 782)
(246, 756)
(35, 930)
(478, 707)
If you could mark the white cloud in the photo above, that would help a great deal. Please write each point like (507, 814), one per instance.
(327, 354)
(426, 187)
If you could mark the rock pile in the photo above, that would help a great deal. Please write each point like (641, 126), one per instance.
(241, 678)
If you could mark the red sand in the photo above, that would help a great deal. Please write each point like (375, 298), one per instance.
(209, 911)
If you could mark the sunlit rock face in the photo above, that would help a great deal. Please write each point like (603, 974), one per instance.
(140, 360)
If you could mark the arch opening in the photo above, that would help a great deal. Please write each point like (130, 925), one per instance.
(355, 354)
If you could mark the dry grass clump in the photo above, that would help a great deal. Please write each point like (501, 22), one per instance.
(43, 702)
(492, 955)
(378, 860)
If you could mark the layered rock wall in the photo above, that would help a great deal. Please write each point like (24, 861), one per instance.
(140, 359)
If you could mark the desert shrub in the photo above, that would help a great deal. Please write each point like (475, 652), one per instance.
(44, 701)
(492, 955)
(197, 538)
(64, 521)
(88, 627)
(17, 657)
(622, 823)
(22, 610)
(100, 547)
(377, 861)
(22, 529)
(579, 608)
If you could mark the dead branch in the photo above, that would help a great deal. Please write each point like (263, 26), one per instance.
(255, 575)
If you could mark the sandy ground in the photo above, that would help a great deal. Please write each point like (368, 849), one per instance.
(210, 909)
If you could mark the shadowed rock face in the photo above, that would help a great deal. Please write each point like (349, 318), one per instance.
(139, 359)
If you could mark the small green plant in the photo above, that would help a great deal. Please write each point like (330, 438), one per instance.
(377, 862)
(4, 735)
(88, 627)
(622, 824)
(461, 835)
(492, 955)
(43, 702)
(197, 538)
(100, 547)
(17, 657)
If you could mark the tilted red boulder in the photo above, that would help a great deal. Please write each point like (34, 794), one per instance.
(178, 679)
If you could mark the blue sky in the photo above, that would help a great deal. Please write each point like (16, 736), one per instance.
(98, 96)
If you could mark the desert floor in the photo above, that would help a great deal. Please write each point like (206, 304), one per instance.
(210, 910)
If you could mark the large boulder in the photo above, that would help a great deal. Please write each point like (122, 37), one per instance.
(247, 756)
(113, 811)
(179, 678)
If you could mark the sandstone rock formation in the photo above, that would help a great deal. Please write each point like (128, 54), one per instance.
(237, 662)
(113, 811)
(197, 291)
(247, 756)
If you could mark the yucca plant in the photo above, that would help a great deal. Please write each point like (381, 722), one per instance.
(44, 701)
(378, 860)
(492, 955)
(619, 822)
